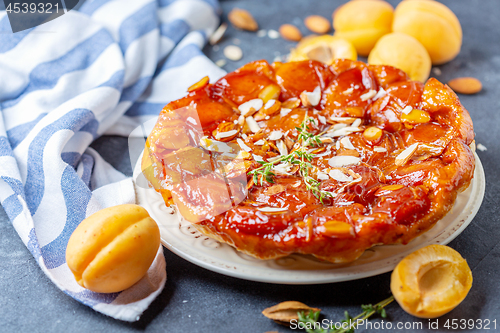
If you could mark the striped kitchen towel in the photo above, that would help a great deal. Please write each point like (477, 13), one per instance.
(105, 68)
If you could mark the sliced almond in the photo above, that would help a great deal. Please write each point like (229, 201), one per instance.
(381, 93)
(407, 109)
(270, 109)
(218, 34)
(481, 147)
(282, 148)
(356, 123)
(233, 52)
(221, 62)
(249, 108)
(290, 32)
(340, 161)
(273, 159)
(259, 142)
(273, 34)
(242, 19)
(317, 24)
(379, 149)
(311, 99)
(346, 142)
(227, 134)
(347, 120)
(275, 189)
(466, 85)
(275, 135)
(291, 103)
(284, 112)
(343, 131)
(285, 312)
(339, 176)
(406, 154)
(289, 143)
(337, 127)
(322, 176)
(348, 91)
(257, 158)
(270, 103)
(252, 124)
(198, 85)
(273, 146)
(242, 145)
(226, 131)
(283, 168)
(272, 210)
(241, 120)
(368, 95)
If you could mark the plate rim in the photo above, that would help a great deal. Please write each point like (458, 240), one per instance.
(310, 277)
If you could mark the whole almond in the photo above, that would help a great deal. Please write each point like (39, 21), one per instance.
(242, 19)
(290, 32)
(218, 34)
(317, 24)
(287, 311)
(466, 85)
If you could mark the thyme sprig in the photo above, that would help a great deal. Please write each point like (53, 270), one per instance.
(349, 323)
(298, 157)
(305, 137)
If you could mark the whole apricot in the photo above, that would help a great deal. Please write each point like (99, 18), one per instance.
(404, 52)
(112, 249)
(432, 24)
(324, 48)
(431, 281)
(363, 22)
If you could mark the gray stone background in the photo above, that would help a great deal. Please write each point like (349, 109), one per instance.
(198, 300)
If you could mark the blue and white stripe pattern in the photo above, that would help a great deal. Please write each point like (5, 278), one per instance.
(103, 69)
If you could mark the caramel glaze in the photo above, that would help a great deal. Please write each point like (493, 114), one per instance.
(442, 166)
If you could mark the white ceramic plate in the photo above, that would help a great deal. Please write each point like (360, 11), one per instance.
(184, 240)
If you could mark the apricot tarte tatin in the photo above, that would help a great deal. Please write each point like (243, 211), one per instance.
(302, 157)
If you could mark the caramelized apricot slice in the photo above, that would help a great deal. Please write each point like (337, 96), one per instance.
(296, 77)
(431, 281)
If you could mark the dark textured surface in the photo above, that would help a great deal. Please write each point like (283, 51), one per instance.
(198, 300)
